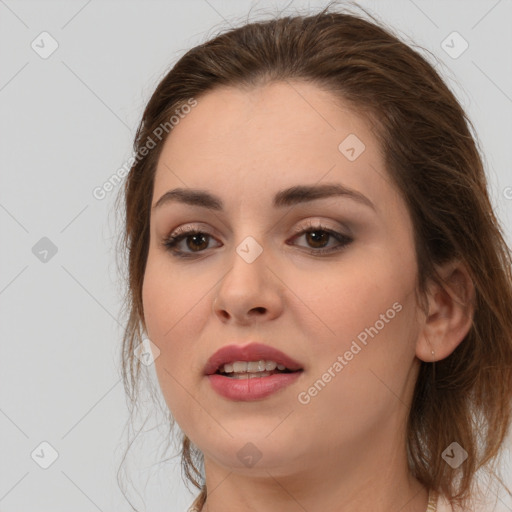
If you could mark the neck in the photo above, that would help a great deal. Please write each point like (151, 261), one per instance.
(340, 487)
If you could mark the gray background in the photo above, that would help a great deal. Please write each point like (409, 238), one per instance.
(67, 124)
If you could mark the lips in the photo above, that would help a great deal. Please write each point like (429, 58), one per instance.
(250, 352)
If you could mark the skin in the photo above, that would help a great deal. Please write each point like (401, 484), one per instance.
(344, 450)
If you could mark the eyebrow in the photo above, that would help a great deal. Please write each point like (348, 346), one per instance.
(287, 197)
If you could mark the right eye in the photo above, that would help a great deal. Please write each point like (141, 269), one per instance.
(194, 238)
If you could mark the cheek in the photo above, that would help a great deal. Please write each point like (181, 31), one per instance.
(358, 373)
(168, 314)
(158, 304)
(176, 307)
(364, 308)
(169, 297)
(169, 305)
(344, 300)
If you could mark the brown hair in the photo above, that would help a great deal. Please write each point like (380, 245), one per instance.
(430, 155)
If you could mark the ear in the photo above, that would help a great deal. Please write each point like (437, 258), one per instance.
(450, 314)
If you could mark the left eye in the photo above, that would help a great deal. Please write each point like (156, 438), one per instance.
(197, 241)
(318, 237)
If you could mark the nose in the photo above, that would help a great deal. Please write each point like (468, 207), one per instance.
(248, 293)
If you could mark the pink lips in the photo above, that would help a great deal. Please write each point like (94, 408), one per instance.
(255, 388)
(251, 352)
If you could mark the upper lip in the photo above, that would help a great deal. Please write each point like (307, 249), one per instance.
(250, 352)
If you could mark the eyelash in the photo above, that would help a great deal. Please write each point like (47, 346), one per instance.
(180, 234)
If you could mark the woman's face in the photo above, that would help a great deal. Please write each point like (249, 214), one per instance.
(347, 316)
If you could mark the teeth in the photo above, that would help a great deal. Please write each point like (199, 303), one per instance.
(253, 366)
(250, 367)
(240, 366)
(249, 375)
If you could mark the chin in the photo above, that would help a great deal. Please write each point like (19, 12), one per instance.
(255, 453)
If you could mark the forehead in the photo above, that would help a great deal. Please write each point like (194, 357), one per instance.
(270, 137)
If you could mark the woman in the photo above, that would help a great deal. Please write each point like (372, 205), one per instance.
(313, 252)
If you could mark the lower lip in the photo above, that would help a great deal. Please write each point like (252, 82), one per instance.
(251, 389)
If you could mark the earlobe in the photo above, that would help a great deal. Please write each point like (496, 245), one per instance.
(450, 313)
